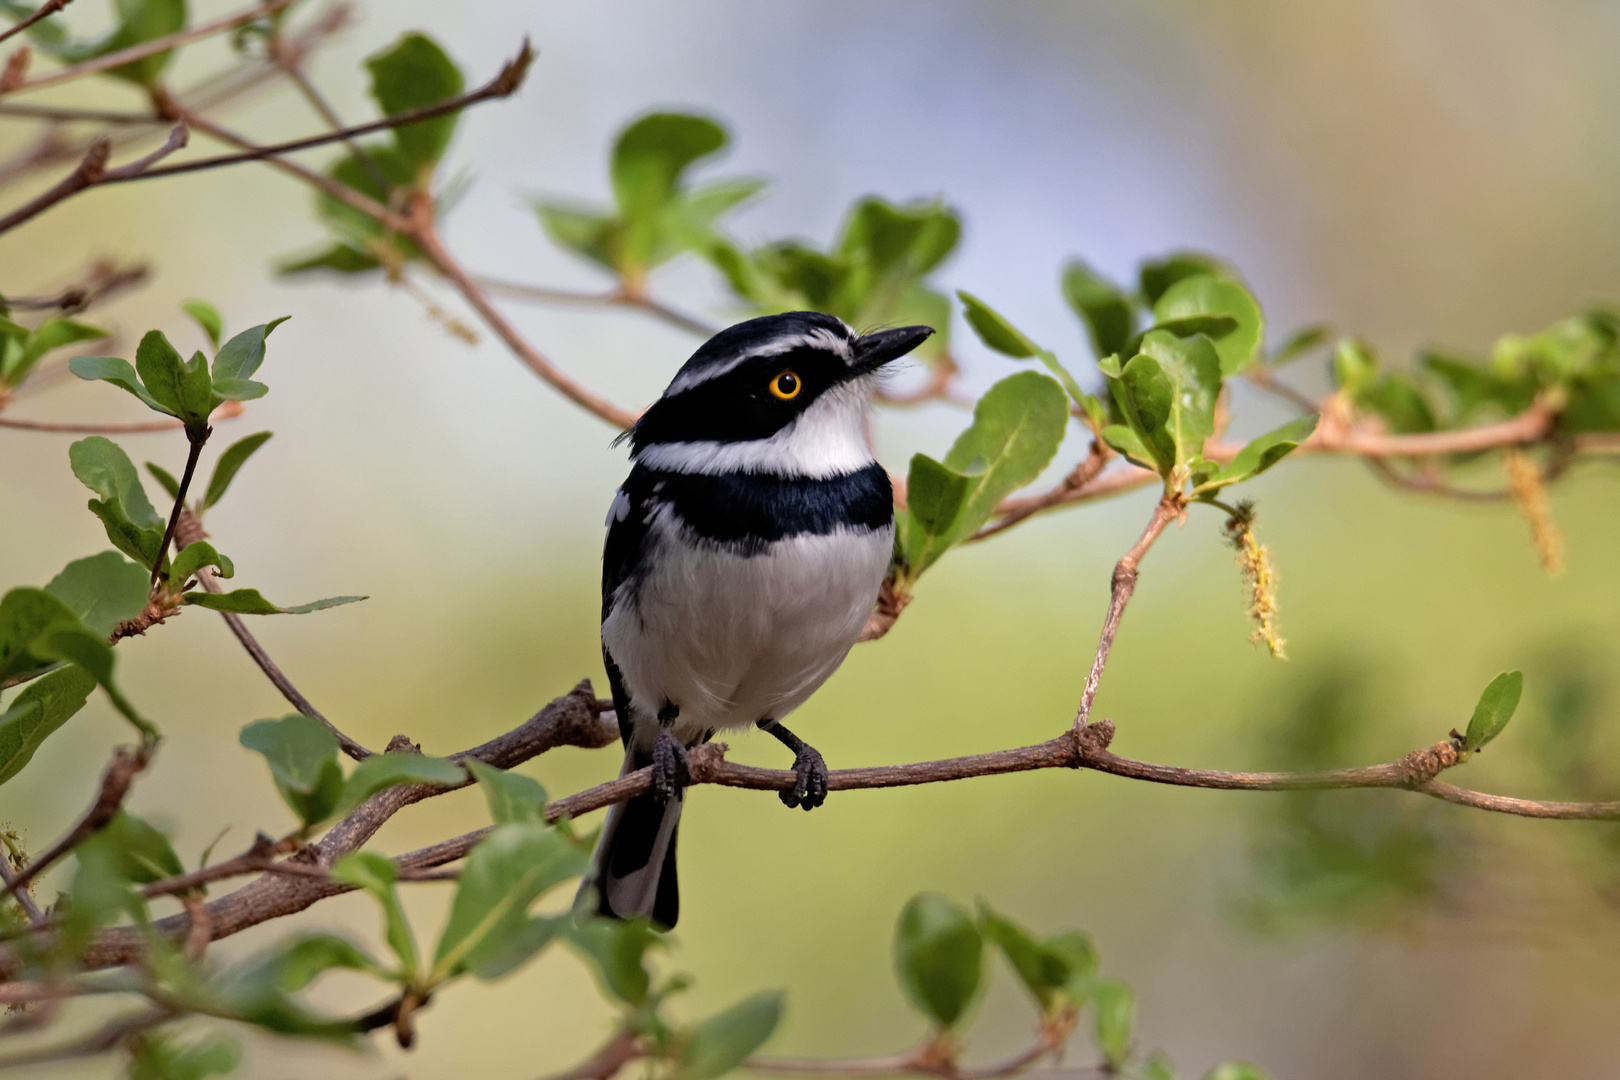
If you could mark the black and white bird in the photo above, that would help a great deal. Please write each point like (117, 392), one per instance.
(744, 555)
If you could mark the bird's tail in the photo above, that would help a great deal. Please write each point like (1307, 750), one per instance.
(633, 872)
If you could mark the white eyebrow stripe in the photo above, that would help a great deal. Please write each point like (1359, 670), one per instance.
(818, 338)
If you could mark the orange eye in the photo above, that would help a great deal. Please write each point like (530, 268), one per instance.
(787, 385)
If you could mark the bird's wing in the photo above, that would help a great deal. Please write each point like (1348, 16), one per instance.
(622, 554)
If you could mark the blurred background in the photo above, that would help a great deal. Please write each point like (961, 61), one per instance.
(1418, 172)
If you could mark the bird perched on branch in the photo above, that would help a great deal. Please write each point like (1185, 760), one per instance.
(744, 555)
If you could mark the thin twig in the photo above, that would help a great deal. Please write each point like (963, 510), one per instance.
(1076, 480)
(293, 69)
(625, 1046)
(45, 10)
(613, 298)
(115, 784)
(325, 184)
(151, 48)
(190, 531)
(109, 1036)
(423, 230)
(92, 171)
(24, 899)
(503, 85)
(225, 86)
(104, 279)
(139, 427)
(1123, 585)
(62, 114)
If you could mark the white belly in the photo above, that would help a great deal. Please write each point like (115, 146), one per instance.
(733, 639)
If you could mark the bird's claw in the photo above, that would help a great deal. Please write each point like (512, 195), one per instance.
(672, 769)
(810, 787)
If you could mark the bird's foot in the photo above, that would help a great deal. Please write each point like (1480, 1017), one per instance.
(810, 787)
(672, 769)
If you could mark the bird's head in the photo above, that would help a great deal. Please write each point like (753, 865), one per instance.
(781, 393)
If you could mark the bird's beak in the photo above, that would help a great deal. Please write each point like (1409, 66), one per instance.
(885, 346)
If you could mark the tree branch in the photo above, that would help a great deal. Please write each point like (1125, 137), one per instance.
(614, 298)
(503, 85)
(1124, 584)
(115, 784)
(45, 10)
(150, 48)
(423, 230)
(227, 411)
(576, 719)
(104, 279)
(8, 877)
(92, 171)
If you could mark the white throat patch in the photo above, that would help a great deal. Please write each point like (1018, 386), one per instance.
(827, 439)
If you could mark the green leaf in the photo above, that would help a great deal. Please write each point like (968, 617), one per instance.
(1108, 313)
(37, 630)
(241, 356)
(182, 387)
(1397, 398)
(1158, 1066)
(505, 873)
(651, 155)
(44, 706)
(132, 524)
(156, 1056)
(1301, 343)
(339, 258)
(139, 853)
(1129, 443)
(229, 463)
(102, 590)
(1205, 296)
(252, 602)
(1078, 952)
(240, 389)
(999, 334)
(1017, 428)
(165, 479)
(724, 1041)
(414, 73)
(51, 334)
(1495, 709)
(1158, 275)
(616, 951)
(381, 771)
(594, 236)
(994, 329)
(302, 755)
(198, 554)
(1237, 1070)
(1190, 371)
(512, 796)
(1354, 366)
(376, 873)
(1043, 971)
(1114, 1012)
(934, 498)
(293, 965)
(938, 954)
(208, 317)
(119, 373)
(1261, 453)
